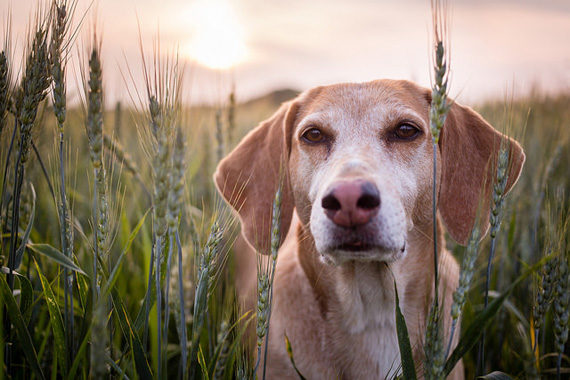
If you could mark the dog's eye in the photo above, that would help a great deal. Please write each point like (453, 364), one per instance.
(313, 135)
(406, 132)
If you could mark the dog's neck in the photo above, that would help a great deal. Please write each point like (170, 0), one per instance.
(361, 294)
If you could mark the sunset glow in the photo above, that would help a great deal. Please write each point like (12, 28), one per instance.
(269, 45)
(217, 39)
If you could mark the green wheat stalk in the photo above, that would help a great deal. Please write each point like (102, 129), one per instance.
(495, 217)
(433, 346)
(94, 129)
(32, 90)
(209, 257)
(265, 278)
(175, 199)
(465, 279)
(561, 309)
(60, 27)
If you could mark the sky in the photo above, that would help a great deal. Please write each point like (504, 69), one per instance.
(262, 45)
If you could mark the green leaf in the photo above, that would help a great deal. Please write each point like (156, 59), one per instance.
(83, 290)
(137, 351)
(148, 303)
(408, 367)
(114, 365)
(79, 355)
(484, 318)
(56, 255)
(26, 298)
(25, 238)
(202, 363)
(116, 269)
(497, 375)
(24, 337)
(290, 354)
(56, 321)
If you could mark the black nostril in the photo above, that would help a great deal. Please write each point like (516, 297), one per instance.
(370, 198)
(330, 203)
(368, 202)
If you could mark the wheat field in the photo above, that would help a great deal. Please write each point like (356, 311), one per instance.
(117, 253)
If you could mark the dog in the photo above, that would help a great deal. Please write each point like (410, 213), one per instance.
(355, 165)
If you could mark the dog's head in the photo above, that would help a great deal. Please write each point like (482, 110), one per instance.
(355, 161)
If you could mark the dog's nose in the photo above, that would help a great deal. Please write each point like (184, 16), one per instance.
(351, 203)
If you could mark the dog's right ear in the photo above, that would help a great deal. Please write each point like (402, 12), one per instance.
(250, 175)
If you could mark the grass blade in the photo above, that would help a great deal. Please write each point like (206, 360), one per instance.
(20, 326)
(56, 255)
(203, 365)
(56, 321)
(290, 354)
(79, 355)
(143, 368)
(114, 365)
(408, 367)
(497, 375)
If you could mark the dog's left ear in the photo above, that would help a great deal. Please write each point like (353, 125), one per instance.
(469, 149)
(250, 175)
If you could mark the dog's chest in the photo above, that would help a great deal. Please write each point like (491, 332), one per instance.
(372, 353)
(367, 343)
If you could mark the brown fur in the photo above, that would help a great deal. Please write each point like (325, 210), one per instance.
(340, 317)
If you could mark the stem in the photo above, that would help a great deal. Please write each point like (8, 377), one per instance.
(110, 311)
(8, 164)
(257, 361)
(18, 180)
(534, 346)
(158, 248)
(183, 337)
(44, 170)
(68, 279)
(95, 245)
(13, 238)
(148, 296)
(166, 296)
(269, 316)
(481, 355)
(451, 333)
(434, 215)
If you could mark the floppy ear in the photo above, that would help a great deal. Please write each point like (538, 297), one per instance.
(469, 149)
(250, 175)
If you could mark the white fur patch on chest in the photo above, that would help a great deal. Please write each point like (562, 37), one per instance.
(367, 312)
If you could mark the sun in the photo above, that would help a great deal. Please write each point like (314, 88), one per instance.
(217, 39)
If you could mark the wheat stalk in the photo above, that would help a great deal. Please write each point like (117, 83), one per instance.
(94, 129)
(176, 179)
(561, 308)
(223, 345)
(265, 278)
(4, 89)
(32, 90)
(465, 279)
(208, 259)
(433, 346)
(495, 217)
(60, 21)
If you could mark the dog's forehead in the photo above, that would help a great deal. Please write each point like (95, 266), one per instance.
(373, 101)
